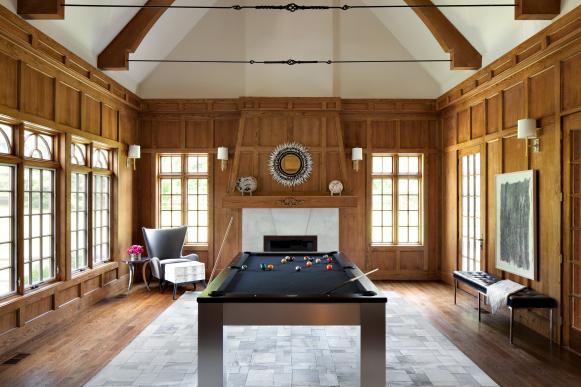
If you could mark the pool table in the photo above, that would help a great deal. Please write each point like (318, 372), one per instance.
(245, 294)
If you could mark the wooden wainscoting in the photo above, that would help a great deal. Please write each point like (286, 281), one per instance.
(330, 127)
(543, 86)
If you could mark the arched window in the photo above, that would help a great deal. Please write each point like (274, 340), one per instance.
(101, 158)
(5, 139)
(79, 154)
(38, 145)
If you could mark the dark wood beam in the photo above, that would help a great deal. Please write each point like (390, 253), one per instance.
(537, 9)
(116, 55)
(463, 55)
(41, 9)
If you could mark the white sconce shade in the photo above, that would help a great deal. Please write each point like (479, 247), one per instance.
(222, 153)
(356, 157)
(527, 128)
(223, 157)
(133, 153)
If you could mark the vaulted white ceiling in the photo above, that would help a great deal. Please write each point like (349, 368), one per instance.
(274, 35)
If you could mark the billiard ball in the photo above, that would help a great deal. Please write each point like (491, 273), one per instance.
(243, 267)
(329, 267)
(263, 266)
(298, 268)
(283, 261)
(318, 260)
(329, 260)
(288, 258)
(306, 258)
(309, 263)
(270, 267)
(291, 259)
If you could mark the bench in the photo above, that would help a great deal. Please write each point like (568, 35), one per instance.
(526, 298)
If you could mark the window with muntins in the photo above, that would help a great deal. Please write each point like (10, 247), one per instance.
(7, 231)
(101, 218)
(396, 199)
(79, 219)
(183, 195)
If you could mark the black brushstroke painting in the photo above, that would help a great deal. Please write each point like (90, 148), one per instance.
(515, 215)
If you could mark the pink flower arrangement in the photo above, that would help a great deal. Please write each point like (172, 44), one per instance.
(135, 250)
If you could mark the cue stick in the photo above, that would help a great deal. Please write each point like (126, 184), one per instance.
(221, 247)
(351, 280)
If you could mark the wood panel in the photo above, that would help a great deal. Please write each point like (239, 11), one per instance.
(69, 101)
(198, 133)
(463, 122)
(110, 122)
(571, 92)
(92, 116)
(493, 114)
(9, 81)
(478, 120)
(542, 94)
(513, 108)
(38, 308)
(384, 134)
(37, 91)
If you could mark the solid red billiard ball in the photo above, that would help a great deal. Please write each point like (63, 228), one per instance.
(329, 267)
(309, 264)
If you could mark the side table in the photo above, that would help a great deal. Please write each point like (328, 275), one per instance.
(132, 263)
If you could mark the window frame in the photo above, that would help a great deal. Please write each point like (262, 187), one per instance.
(184, 176)
(395, 176)
(95, 172)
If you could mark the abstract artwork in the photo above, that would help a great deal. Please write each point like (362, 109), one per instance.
(516, 223)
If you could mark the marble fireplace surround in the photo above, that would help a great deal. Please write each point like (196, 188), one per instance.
(258, 222)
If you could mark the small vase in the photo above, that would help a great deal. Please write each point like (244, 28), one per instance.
(135, 257)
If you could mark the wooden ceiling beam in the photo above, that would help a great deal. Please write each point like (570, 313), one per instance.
(41, 9)
(116, 55)
(537, 9)
(463, 55)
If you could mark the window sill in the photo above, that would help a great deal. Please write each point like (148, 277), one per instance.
(398, 247)
(194, 248)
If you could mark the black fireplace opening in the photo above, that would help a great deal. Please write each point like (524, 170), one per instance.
(288, 243)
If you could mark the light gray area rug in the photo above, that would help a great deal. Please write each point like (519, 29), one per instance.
(165, 353)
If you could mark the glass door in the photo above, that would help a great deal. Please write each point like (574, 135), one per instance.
(471, 237)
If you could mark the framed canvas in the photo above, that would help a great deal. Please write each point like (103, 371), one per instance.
(516, 223)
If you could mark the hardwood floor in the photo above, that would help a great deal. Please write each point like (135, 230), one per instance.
(79, 348)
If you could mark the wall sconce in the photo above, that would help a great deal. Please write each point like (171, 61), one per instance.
(527, 130)
(223, 157)
(356, 157)
(133, 154)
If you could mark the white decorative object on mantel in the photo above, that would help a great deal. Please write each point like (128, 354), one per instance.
(336, 187)
(246, 184)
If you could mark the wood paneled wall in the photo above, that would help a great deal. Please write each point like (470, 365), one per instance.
(544, 84)
(323, 124)
(44, 84)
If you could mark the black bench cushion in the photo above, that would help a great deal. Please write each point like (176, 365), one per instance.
(525, 298)
(529, 298)
(479, 280)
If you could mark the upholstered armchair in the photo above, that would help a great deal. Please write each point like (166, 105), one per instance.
(164, 246)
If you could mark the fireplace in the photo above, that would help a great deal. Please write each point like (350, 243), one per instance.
(287, 243)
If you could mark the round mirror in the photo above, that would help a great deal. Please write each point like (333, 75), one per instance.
(290, 164)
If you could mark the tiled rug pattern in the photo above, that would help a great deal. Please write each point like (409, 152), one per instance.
(165, 353)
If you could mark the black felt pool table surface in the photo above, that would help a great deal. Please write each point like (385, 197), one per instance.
(285, 280)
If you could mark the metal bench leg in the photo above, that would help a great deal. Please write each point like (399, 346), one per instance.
(175, 288)
(455, 288)
(479, 319)
(510, 325)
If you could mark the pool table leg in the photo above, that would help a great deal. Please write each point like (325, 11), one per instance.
(210, 344)
(373, 345)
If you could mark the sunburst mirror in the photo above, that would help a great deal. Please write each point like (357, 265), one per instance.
(290, 164)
